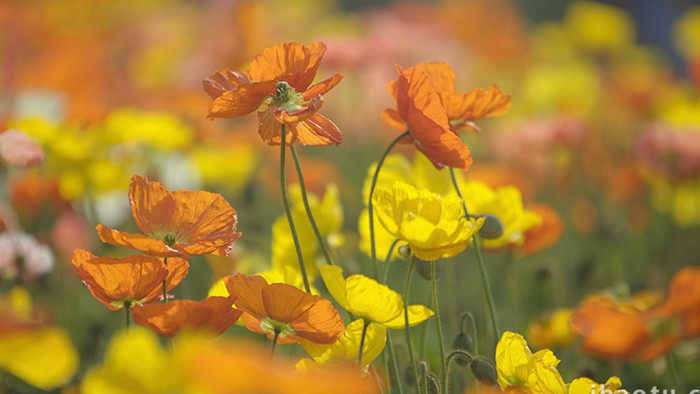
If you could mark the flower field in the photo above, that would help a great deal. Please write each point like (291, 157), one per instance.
(254, 196)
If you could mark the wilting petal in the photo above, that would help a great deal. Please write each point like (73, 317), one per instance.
(322, 87)
(270, 129)
(317, 130)
(212, 315)
(441, 76)
(477, 104)
(220, 82)
(240, 101)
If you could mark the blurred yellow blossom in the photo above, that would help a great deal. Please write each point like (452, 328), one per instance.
(686, 33)
(518, 367)
(552, 330)
(434, 226)
(588, 386)
(160, 131)
(230, 167)
(596, 26)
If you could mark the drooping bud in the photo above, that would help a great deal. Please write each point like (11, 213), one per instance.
(484, 371)
(463, 342)
(492, 228)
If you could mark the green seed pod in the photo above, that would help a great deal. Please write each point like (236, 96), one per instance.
(424, 269)
(492, 228)
(463, 342)
(484, 371)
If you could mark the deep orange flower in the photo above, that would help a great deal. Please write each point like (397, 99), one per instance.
(178, 223)
(212, 315)
(284, 310)
(683, 301)
(278, 79)
(134, 279)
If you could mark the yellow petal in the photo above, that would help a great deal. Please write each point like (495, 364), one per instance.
(335, 283)
(44, 358)
(416, 315)
(372, 301)
(347, 347)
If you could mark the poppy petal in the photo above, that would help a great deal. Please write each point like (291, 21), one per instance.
(220, 82)
(213, 315)
(322, 87)
(317, 130)
(269, 129)
(240, 101)
(139, 242)
(291, 62)
(393, 118)
(248, 293)
(477, 104)
(441, 76)
(335, 283)
(416, 315)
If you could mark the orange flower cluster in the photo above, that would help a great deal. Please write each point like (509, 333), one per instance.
(612, 332)
(433, 113)
(278, 80)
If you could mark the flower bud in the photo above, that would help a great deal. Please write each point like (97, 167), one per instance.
(484, 371)
(405, 251)
(492, 228)
(463, 342)
(433, 385)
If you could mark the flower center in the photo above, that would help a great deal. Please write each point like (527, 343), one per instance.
(286, 97)
(275, 327)
(167, 237)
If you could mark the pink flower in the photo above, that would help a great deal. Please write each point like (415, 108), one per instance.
(17, 150)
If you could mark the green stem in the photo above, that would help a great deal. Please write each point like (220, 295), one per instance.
(457, 352)
(482, 267)
(394, 363)
(424, 371)
(274, 343)
(287, 210)
(474, 334)
(438, 326)
(408, 331)
(362, 342)
(127, 307)
(321, 241)
(673, 369)
(370, 206)
(387, 260)
(165, 284)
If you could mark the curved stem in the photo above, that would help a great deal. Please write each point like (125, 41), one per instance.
(370, 206)
(274, 343)
(307, 207)
(408, 331)
(441, 340)
(424, 371)
(475, 341)
(387, 260)
(394, 364)
(288, 212)
(457, 352)
(482, 267)
(362, 342)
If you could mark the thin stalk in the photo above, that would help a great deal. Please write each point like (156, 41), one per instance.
(457, 352)
(165, 284)
(127, 307)
(287, 210)
(438, 326)
(362, 342)
(307, 207)
(482, 267)
(424, 370)
(274, 343)
(475, 340)
(387, 260)
(673, 369)
(370, 206)
(378, 379)
(394, 364)
(408, 331)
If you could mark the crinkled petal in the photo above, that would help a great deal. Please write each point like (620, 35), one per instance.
(317, 130)
(291, 62)
(321, 88)
(416, 314)
(242, 100)
(139, 242)
(220, 82)
(477, 104)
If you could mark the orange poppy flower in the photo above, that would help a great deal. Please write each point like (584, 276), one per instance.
(544, 235)
(133, 279)
(461, 109)
(284, 311)
(178, 223)
(278, 80)
(420, 110)
(212, 315)
(683, 301)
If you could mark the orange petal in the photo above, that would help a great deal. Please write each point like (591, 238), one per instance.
(322, 87)
(240, 101)
(440, 75)
(393, 118)
(248, 293)
(291, 62)
(139, 242)
(317, 131)
(132, 278)
(270, 129)
(177, 271)
(220, 82)
(477, 104)
(212, 315)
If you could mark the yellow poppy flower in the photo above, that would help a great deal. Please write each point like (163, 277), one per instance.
(346, 348)
(518, 367)
(433, 225)
(367, 299)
